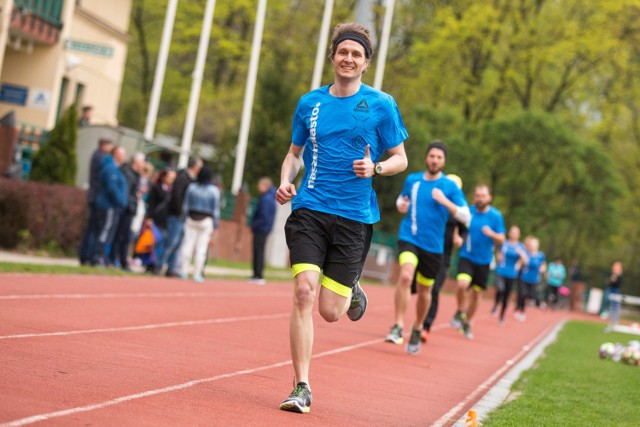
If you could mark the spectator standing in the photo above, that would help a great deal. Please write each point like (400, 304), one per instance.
(112, 199)
(201, 207)
(614, 285)
(556, 273)
(120, 249)
(105, 146)
(85, 116)
(175, 217)
(261, 225)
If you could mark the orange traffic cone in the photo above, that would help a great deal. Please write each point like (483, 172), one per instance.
(472, 419)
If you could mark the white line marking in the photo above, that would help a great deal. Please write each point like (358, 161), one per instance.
(145, 295)
(448, 417)
(146, 327)
(123, 399)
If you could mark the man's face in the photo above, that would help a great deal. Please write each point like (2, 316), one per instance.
(120, 155)
(349, 61)
(435, 160)
(481, 197)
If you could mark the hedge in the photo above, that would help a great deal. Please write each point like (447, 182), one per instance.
(37, 215)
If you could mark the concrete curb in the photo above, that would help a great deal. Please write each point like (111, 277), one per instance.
(501, 390)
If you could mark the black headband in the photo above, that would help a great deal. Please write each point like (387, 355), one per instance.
(356, 38)
(439, 145)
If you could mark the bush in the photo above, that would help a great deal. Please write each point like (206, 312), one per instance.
(51, 215)
(55, 162)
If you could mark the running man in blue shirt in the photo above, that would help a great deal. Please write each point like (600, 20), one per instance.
(486, 229)
(340, 132)
(511, 257)
(427, 199)
(530, 275)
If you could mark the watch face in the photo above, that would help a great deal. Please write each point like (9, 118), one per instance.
(378, 168)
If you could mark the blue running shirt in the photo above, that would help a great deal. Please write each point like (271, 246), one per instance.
(531, 271)
(510, 256)
(478, 247)
(425, 222)
(335, 132)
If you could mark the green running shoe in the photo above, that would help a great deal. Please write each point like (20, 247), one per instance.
(358, 303)
(413, 347)
(466, 331)
(299, 400)
(395, 336)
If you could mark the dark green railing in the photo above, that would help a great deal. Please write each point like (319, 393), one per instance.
(48, 10)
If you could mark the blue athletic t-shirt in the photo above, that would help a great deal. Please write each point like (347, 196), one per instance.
(531, 271)
(335, 132)
(510, 256)
(478, 248)
(425, 222)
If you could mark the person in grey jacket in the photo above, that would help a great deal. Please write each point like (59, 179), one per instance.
(201, 208)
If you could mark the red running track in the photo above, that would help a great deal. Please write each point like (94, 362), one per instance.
(84, 350)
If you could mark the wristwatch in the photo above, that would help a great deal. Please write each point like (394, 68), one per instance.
(377, 169)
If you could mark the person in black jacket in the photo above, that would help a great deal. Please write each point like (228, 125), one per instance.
(261, 225)
(120, 248)
(175, 218)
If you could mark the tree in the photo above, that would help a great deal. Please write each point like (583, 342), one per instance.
(56, 159)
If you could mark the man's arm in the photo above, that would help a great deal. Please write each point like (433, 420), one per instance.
(290, 168)
(396, 163)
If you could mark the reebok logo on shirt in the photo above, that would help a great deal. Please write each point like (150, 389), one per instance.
(362, 107)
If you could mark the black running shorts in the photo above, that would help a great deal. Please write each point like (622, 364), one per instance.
(476, 274)
(428, 262)
(337, 246)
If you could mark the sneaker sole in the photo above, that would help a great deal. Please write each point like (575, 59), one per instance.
(394, 340)
(294, 407)
(355, 318)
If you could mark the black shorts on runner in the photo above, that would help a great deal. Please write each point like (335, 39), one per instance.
(477, 274)
(336, 245)
(428, 262)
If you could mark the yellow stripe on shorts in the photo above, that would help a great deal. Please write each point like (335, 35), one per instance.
(424, 281)
(477, 288)
(299, 268)
(407, 257)
(336, 287)
(464, 276)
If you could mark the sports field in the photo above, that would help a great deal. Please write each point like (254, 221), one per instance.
(79, 350)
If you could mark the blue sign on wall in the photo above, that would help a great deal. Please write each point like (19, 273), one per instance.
(12, 94)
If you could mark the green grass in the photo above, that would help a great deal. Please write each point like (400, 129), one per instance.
(571, 386)
(11, 267)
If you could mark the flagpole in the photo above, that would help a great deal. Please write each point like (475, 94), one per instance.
(322, 45)
(241, 149)
(158, 80)
(196, 84)
(384, 45)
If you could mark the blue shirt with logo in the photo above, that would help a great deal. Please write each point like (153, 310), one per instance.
(425, 222)
(510, 254)
(478, 247)
(335, 132)
(531, 270)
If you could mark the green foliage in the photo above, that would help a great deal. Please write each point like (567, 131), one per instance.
(601, 392)
(460, 71)
(546, 179)
(56, 160)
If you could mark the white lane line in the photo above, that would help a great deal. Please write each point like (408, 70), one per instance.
(147, 327)
(448, 417)
(145, 295)
(123, 399)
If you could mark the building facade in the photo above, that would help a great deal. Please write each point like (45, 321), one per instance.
(57, 52)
